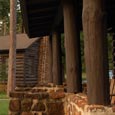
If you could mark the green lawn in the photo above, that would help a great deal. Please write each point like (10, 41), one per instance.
(3, 95)
(4, 103)
(4, 107)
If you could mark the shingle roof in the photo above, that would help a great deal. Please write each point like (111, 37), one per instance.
(23, 42)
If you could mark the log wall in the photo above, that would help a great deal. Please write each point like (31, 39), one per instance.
(31, 65)
(19, 67)
(26, 66)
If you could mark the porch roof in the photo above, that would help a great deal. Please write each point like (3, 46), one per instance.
(41, 17)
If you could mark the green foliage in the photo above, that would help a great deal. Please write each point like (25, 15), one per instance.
(3, 72)
(4, 9)
(5, 15)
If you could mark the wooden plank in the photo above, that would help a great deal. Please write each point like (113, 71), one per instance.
(43, 9)
(40, 1)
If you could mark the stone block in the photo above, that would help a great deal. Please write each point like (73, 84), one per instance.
(27, 113)
(14, 105)
(16, 94)
(38, 107)
(31, 95)
(55, 108)
(113, 108)
(13, 113)
(37, 113)
(76, 113)
(26, 104)
(43, 95)
(57, 95)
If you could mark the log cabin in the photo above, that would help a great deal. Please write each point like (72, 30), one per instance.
(26, 60)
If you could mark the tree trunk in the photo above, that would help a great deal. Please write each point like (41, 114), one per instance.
(56, 48)
(72, 41)
(12, 50)
(96, 57)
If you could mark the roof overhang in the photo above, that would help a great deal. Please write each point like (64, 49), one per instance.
(41, 16)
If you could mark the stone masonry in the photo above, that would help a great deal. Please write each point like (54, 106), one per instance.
(76, 104)
(38, 101)
(54, 101)
(43, 61)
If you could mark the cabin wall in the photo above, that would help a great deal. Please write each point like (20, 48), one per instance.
(19, 68)
(20, 77)
(31, 65)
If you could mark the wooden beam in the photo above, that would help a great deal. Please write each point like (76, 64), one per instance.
(34, 14)
(96, 57)
(41, 28)
(50, 76)
(39, 1)
(12, 52)
(41, 18)
(39, 34)
(35, 5)
(72, 39)
(43, 9)
(56, 48)
(41, 24)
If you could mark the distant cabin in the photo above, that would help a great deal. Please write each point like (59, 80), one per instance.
(26, 60)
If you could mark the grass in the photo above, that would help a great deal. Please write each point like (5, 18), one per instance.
(3, 95)
(4, 107)
(4, 103)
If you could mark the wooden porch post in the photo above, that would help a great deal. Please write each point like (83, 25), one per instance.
(12, 51)
(96, 57)
(72, 41)
(56, 48)
(50, 76)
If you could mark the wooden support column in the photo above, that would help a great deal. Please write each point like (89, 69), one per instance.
(72, 47)
(56, 48)
(96, 57)
(50, 76)
(12, 50)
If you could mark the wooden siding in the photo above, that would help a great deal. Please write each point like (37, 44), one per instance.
(31, 65)
(26, 66)
(19, 67)
(20, 70)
